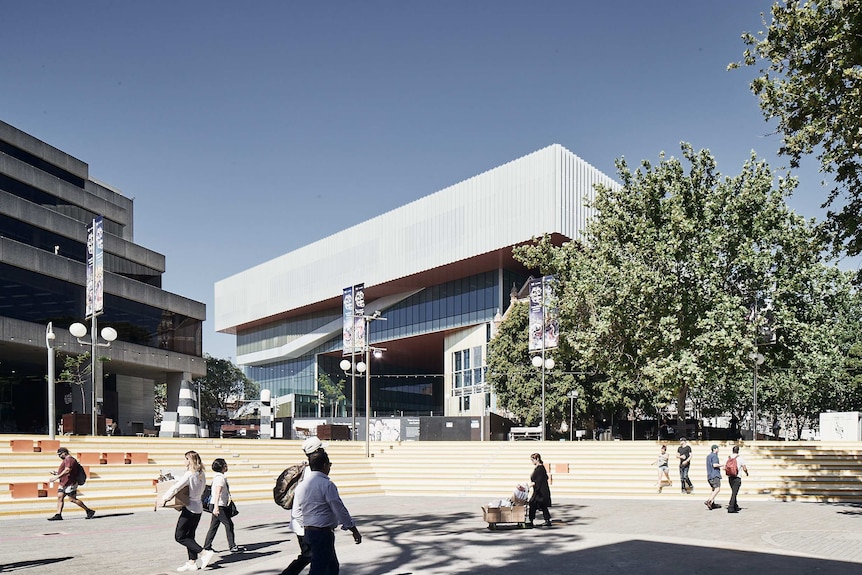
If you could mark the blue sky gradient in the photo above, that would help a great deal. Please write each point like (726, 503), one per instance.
(246, 130)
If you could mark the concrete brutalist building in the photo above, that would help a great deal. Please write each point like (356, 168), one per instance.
(47, 202)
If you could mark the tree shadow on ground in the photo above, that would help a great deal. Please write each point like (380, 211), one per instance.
(459, 543)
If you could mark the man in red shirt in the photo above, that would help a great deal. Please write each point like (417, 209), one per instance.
(67, 475)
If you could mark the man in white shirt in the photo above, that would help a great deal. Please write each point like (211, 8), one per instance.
(322, 512)
(309, 446)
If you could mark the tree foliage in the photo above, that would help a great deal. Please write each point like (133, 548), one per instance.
(518, 385)
(331, 392)
(810, 83)
(659, 295)
(77, 370)
(223, 384)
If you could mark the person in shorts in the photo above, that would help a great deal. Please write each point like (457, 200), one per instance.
(67, 475)
(713, 476)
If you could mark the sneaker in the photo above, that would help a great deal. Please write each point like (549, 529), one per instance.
(206, 557)
(237, 549)
(56, 517)
(90, 513)
(187, 567)
(547, 524)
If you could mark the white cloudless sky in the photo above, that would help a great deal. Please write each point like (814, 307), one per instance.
(244, 130)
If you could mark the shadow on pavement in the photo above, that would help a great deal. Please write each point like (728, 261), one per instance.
(21, 565)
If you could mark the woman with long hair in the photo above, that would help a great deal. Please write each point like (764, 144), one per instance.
(220, 500)
(541, 493)
(662, 463)
(190, 515)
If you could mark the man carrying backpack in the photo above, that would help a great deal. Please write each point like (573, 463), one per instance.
(310, 446)
(731, 469)
(68, 476)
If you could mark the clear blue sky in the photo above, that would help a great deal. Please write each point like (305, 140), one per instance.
(244, 130)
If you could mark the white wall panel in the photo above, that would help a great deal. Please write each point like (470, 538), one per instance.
(526, 198)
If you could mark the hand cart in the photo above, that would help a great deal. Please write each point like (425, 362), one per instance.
(514, 514)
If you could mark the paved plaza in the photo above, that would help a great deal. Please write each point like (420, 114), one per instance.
(426, 536)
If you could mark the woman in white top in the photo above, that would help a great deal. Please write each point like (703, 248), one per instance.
(190, 515)
(662, 462)
(220, 502)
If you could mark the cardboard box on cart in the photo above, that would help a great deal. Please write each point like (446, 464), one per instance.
(178, 501)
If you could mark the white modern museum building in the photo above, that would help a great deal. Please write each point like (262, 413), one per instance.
(439, 270)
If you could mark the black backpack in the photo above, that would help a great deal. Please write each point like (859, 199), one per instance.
(285, 485)
(80, 474)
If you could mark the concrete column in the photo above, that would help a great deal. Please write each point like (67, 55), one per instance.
(188, 416)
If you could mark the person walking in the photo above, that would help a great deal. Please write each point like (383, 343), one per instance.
(734, 479)
(322, 512)
(190, 515)
(663, 471)
(713, 476)
(67, 475)
(540, 498)
(309, 446)
(683, 453)
(221, 500)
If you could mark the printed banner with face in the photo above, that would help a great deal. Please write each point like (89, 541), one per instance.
(544, 315)
(353, 308)
(95, 303)
(358, 317)
(552, 313)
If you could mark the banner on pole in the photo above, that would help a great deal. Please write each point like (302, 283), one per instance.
(544, 315)
(95, 303)
(353, 308)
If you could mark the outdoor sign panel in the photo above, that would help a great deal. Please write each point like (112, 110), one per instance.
(95, 268)
(353, 325)
(544, 315)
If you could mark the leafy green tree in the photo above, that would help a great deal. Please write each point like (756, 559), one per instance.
(810, 84)
(656, 296)
(77, 370)
(518, 385)
(331, 392)
(223, 384)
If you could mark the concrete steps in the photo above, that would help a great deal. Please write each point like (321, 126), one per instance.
(253, 468)
(810, 471)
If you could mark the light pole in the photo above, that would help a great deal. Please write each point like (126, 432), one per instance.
(573, 395)
(378, 352)
(544, 363)
(757, 358)
(348, 365)
(109, 334)
(49, 343)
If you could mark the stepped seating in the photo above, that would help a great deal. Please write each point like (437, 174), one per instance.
(811, 471)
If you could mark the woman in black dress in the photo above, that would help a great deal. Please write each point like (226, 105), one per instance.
(541, 496)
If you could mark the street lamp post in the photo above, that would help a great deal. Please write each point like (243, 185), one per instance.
(758, 359)
(364, 367)
(109, 334)
(573, 395)
(348, 365)
(544, 363)
(49, 343)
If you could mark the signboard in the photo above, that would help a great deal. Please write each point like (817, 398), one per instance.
(353, 310)
(544, 315)
(95, 268)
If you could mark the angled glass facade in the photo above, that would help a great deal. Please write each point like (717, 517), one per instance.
(396, 387)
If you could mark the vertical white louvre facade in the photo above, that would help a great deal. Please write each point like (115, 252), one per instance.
(438, 264)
